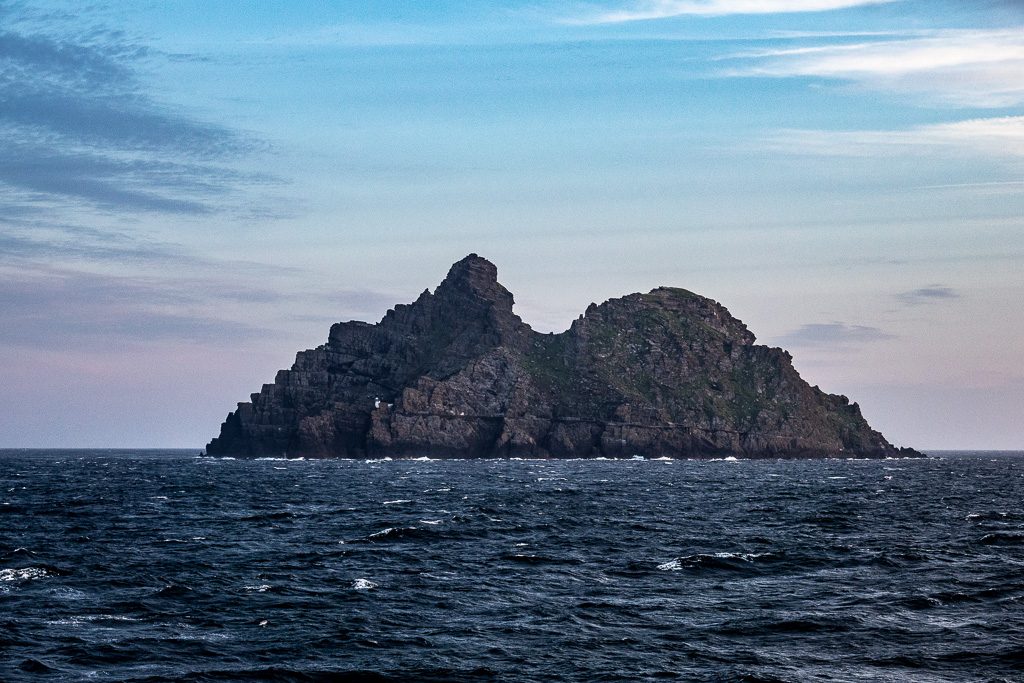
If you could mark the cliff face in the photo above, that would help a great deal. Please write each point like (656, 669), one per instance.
(457, 374)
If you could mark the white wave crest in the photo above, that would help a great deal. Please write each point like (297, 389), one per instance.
(680, 563)
(23, 574)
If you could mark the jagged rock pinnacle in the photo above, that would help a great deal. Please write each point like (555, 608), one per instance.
(477, 278)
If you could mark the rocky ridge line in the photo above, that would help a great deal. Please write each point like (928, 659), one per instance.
(457, 374)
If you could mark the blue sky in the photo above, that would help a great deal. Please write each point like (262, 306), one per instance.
(191, 192)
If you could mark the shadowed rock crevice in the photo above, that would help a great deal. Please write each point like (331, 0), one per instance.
(456, 374)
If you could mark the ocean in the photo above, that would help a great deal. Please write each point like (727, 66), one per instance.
(156, 566)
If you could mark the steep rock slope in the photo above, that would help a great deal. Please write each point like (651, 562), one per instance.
(458, 374)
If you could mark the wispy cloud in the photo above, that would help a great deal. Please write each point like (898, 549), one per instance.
(993, 137)
(962, 67)
(834, 334)
(113, 290)
(81, 246)
(991, 185)
(49, 307)
(77, 124)
(47, 170)
(928, 294)
(661, 9)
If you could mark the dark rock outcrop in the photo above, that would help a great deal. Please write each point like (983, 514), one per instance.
(457, 374)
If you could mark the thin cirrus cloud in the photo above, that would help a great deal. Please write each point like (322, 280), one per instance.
(77, 125)
(42, 169)
(997, 137)
(80, 245)
(72, 305)
(53, 307)
(31, 242)
(662, 9)
(969, 68)
(834, 335)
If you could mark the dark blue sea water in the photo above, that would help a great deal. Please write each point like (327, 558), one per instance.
(162, 566)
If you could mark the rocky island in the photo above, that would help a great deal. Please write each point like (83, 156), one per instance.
(457, 374)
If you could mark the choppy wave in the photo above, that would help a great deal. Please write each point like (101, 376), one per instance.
(152, 567)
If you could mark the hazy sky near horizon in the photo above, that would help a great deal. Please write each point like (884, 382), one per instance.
(191, 192)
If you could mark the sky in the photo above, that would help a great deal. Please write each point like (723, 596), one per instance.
(193, 191)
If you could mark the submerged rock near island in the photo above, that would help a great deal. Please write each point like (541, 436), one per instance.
(457, 374)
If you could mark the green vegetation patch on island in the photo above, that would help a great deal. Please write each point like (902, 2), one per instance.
(457, 374)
